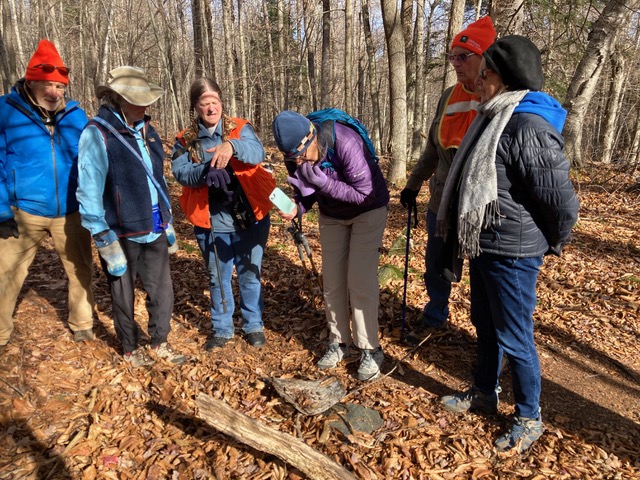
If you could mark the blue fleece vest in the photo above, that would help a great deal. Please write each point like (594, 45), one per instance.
(127, 200)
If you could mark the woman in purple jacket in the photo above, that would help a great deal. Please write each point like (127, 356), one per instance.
(352, 197)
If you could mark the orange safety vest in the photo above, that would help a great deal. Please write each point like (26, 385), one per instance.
(460, 109)
(257, 184)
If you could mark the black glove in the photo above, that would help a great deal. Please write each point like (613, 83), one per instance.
(408, 197)
(9, 228)
(218, 177)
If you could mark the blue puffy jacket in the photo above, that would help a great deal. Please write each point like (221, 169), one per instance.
(38, 168)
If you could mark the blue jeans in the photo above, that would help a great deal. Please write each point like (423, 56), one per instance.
(436, 311)
(242, 249)
(503, 298)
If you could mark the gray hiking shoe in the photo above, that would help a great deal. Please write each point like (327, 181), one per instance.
(83, 335)
(334, 354)
(138, 358)
(370, 363)
(473, 400)
(523, 433)
(167, 353)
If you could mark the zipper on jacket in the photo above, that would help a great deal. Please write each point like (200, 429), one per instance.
(55, 170)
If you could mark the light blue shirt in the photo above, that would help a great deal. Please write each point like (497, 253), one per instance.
(93, 166)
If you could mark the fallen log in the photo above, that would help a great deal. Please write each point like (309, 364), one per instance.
(312, 463)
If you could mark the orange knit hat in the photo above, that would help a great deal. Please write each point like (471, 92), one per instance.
(477, 37)
(46, 65)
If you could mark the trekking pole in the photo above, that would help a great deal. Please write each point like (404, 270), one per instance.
(217, 261)
(303, 247)
(406, 264)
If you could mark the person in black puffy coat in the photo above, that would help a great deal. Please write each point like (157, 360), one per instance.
(508, 201)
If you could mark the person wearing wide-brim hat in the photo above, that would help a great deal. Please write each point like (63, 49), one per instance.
(124, 203)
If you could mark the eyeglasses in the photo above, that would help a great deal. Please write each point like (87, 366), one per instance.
(461, 57)
(483, 73)
(48, 68)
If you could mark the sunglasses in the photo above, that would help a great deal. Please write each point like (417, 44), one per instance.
(461, 57)
(483, 73)
(48, 68)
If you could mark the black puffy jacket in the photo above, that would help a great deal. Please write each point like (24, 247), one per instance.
(538, 205)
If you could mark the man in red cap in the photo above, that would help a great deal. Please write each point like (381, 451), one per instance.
(39, 134)
(456, 110)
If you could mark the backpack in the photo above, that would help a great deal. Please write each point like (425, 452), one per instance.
(327, 118)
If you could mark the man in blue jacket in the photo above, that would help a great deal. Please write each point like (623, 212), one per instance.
(39, 134)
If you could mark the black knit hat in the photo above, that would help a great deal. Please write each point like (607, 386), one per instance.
(517, 60)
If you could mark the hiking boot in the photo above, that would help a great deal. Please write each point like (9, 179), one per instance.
(216, 342)
(138, 358)
(255, 339)
(167, 353)
(523, 433)
(370, 362)
(83, 335)
(334, 354)
(422, 330)
(473, 400)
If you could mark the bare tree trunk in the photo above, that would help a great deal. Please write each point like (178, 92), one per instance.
(227, 22)
(418, 100)
(455, 25)
(406, 15)
(376, 128)
(211, 69)
(21, 61)
(246, 94)
(613, 106)
(283, 37)
(397, 90)
(507, 16)
(348, 57)
(275, 93)
(326, 73)
(198, 37)
(601, 38)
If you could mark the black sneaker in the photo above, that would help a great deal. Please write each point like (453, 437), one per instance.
(255, 339)
(216, 342)
(422, 330)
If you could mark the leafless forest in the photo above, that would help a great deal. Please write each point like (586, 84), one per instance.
(383, 62)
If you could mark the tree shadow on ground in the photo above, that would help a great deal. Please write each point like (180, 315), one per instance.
(38, 461)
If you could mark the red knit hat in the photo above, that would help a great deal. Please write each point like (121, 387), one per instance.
(46, 65)
(477, 37)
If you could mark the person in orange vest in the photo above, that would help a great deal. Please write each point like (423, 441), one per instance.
(225, 195)
(456, 110)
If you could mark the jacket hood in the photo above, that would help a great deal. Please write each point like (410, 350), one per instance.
(544, 105)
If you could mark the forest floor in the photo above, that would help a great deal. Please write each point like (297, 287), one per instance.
(78, 411)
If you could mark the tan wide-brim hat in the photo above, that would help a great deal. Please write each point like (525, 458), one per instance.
(131, 84)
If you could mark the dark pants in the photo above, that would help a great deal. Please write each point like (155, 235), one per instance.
(503, 298)
(436, 311)
(151, 262)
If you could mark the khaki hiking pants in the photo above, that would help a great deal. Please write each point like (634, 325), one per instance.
(350, 255)
(72, 244)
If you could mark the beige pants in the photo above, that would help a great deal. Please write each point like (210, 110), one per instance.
(73, 245)
(350, 255)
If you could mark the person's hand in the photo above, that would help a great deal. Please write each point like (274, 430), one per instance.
(291, 215)
(111, 252)
(408, 197)
(217, 177)
(9, 228)
(221, 154)
(313, 174)
(301, 183)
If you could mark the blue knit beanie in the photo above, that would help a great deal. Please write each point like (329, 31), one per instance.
(293, 133)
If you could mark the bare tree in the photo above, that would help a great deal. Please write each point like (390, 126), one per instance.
(326, 54)
(376, 129)
(507, 16)
(613, 18)
(397, 90)
(455, 25)
(348, 56)
(612, 109)
(227, 22)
